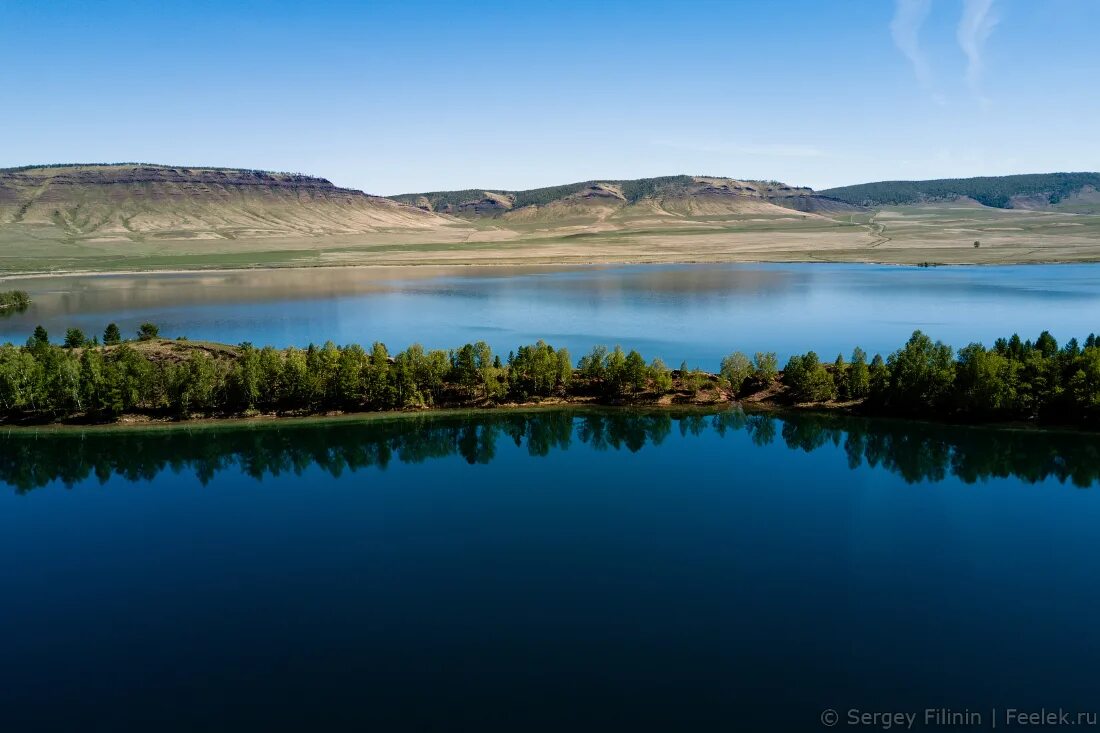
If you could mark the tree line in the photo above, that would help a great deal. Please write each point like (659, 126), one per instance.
(100, 380)
(14, 300)
(996, 191)
(1014, 380)
(146, 374)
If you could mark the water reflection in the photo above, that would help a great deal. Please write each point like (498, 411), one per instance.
(920, 452)
(677, 312)
(13, 310)
(916, 452)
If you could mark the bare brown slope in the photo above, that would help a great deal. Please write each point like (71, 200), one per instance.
(671, 196)
(137, 202)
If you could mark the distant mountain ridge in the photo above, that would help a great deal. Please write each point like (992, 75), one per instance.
(671, 195)
(129, 209)
(137, 201)
(1027, 191)
(138, 164)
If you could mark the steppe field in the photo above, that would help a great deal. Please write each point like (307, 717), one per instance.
(933, 234)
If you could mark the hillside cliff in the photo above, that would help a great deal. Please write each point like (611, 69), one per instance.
(132, 201)
(672, 196)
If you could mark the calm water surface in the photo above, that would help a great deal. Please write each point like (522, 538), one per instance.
(693, 312)
(556, 570)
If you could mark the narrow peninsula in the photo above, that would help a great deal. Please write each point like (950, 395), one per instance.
(148, 378)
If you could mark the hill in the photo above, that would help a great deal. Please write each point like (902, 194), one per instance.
(135, 202)
(1065, 191)
(133, 216)
(667, 196)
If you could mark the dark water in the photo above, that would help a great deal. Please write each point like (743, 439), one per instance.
(544, 571)
(696, 313)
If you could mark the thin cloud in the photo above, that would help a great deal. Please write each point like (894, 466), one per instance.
(977, 22)
(909, 17)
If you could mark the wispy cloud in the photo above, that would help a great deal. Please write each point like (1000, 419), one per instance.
(909, 16)
(977, 22)
(772, 150)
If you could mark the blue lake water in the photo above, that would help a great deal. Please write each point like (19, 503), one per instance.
(696, 313)
(556, 570)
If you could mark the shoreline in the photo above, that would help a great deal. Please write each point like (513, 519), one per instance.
(587, 264)
(268, 419)
(142, 423)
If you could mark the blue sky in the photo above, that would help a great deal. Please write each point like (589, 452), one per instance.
(408, 96)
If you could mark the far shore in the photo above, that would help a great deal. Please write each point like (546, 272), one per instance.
(533, 265)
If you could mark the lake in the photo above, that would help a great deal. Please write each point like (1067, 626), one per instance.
(546, 570)
(696, 313)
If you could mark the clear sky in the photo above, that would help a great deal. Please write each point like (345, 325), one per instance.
(402, 96)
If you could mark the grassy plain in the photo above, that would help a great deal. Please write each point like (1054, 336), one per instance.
(935, 234)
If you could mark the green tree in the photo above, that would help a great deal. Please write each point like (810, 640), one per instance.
(377, 376)
(299, 386)
(879, 377)
(615, 370)
(128, 379)
(735, 369)
(271, 387)
(41, 336)
(537, 370)
(93, 380)
(592, 365)
(859, 376)
(21, 380)
(564, 367)
(1084, 384)
(808, 379)
(840, 377)
(422, 375)
(984, 382)
(922, 374)
(464, 369)
(245, 379)
(635, 374)
(766, 367)
(351, 365)
(63, 390)
(148, 332)
(1046, 345)
(661, 376)
(111, 335)
(487, 375)
(323, 366)
(794, 373)
(195, 384)
(74, 338)
(406, 390)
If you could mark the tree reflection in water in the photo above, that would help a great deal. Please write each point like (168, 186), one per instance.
(918, 452)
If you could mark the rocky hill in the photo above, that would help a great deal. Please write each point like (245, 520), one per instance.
(672, 196)
(136, 202)
(1066, 191)
(142, 202)
(123, 217)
